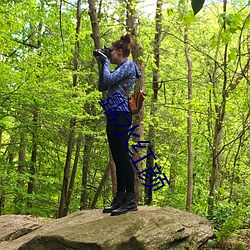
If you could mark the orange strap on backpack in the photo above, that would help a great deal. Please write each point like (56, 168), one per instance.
(135, 101)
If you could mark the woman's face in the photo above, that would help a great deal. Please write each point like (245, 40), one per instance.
(116, 56)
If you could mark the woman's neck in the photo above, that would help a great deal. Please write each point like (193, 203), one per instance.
(122, 60)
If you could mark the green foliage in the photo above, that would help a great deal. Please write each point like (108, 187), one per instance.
(241, 245)
(39, 80)
(222, 211)
(235, 221)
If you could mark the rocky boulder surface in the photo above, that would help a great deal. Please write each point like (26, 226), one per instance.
(149, 228)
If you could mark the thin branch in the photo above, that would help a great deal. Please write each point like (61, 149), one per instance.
(60, 14)
(245, 128)
(68, 3)
(27, 44)
(239, 58)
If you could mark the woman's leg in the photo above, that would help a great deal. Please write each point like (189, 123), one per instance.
(124, 169)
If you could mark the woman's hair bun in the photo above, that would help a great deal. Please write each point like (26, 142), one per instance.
(126, 39)
(123, 43)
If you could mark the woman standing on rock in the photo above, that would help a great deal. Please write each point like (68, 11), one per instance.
(126, 71)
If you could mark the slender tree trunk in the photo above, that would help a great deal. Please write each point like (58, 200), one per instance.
(77, 43)
(66, 176)
(33, 156)
(1, 135)
(137, 52)
(32, 167)
(35, 112)
(2, 201)
(11, 152)
(64, 191)
(88, 138)
(73, 174)
(189, 124)
(97, 44)
(1, 179)
(98, 191)
(217, 142)
(172, 174)
(85, 169)
(19, 199)
(94, 24)
(234, 168)
(151, 134)
(22, 159)
(2, 198)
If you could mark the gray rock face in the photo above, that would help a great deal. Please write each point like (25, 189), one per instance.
(149, 228)
(15, 226)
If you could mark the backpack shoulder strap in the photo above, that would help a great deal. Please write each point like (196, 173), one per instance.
(126, 88)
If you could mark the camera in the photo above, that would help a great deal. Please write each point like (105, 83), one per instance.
(106, 51)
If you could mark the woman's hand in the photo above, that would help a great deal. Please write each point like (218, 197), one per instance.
(101, 58)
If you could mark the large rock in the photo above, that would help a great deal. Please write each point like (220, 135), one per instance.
(148, 228)
(15, 226)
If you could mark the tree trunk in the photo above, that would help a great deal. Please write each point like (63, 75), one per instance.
(33, 156)
(19, 199)
(2, 198)
(97, 44)
(98, 191)
(66, 176)
(1, 180)
(217, 142)
(73, 174)
(172, 174)
(35, 111)
(11, 152)
(64, 191)
(21, 159)
(87, 147)
(137, 53)
(189, 125)
(85, 170)
(94, 24)
(2, 201)
(151, 134)
(1, 135)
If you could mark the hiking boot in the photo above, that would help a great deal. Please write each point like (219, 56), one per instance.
(128, 204)
(116, 203)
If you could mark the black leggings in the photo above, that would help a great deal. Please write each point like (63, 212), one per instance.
(124, 169)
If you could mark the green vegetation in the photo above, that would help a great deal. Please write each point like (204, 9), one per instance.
(44, 110)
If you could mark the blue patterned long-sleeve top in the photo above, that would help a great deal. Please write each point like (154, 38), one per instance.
(113, 82)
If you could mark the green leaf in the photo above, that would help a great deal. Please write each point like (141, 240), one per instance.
(188, 17)
(233, 54)
(197, 5)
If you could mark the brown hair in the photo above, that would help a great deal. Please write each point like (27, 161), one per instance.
(124, 44)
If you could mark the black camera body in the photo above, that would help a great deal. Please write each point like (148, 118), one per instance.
(106, 51)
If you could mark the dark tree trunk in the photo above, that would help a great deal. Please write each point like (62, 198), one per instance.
(217, 141)
(151, 134)
(97, 44)
(66, 176)
(73, 174)
(99, 189)
(64, 191)
(22, 159)
(85, 170)
(137, 53)
(33, 156)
